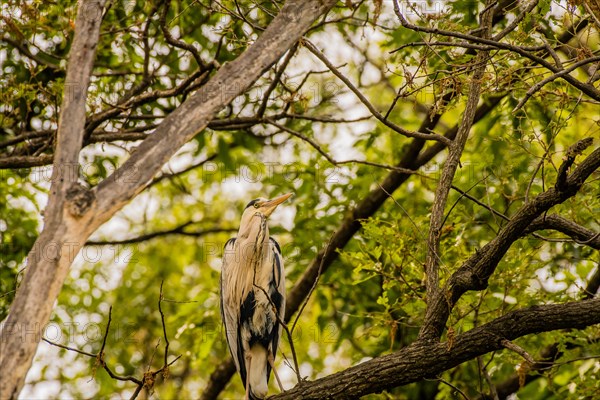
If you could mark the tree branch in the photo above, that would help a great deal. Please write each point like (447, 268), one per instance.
(178, 230)
(456, 148)
(555, 222)
(475, 272)
(367, 103)
(425, 359)
(67, 201)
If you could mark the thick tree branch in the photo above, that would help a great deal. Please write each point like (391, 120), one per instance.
(67, 201)
(425, 359)
(579, 233)
(456, 148)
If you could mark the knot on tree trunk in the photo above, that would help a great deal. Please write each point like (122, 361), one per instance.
(572, 152)
(79, 199)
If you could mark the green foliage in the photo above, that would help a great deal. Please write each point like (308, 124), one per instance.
(18, 231)
(372, 299)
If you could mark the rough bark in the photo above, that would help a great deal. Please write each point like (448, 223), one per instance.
(52, 254)
(455, 151)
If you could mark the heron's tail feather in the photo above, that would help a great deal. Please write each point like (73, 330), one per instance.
(258, 372)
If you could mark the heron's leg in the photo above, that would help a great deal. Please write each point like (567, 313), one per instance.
(271, 360)
(248, 362)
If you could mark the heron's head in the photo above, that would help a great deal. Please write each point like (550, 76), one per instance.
(264, 206)
(261, 208)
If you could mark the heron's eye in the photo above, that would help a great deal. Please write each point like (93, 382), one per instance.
(256, 205)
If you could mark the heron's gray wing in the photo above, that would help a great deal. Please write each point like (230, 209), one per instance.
(277, 292)
(230, 311)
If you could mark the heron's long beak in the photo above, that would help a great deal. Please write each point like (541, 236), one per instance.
(271, 205)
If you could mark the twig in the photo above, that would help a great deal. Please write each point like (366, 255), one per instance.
(287, 331)
(332, 160)
(466, 45)
(162, 319)
(488, 379)
(367, 103)
(513, 24)
(137, 391)
(178, 230)
(535, 88)
(453, 387)
(101, 352)
(275, 81)
(482, 204)
(100, 355)
(314, 285)
(69, 348)
(179, 43)
(462, 194)
(518, 349)
(551, 51)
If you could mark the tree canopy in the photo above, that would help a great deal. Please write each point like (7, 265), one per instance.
(444, 234)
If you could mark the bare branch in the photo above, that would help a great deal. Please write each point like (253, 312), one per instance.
(365, 101)
(518, 349)
(178, 230)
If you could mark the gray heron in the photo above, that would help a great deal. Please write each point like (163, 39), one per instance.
(253, 296)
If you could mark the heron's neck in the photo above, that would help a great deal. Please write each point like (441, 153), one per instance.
(256, 231)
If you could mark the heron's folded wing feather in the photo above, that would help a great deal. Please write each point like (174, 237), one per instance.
(277, 291)
(229, 310)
